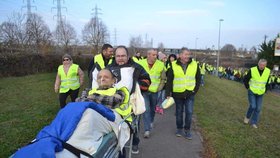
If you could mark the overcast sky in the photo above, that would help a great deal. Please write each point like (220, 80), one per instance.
(175, 23)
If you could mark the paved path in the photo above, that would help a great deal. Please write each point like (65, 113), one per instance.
(276, 92)
(163, 142)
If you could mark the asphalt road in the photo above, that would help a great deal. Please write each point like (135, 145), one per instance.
(163, 142)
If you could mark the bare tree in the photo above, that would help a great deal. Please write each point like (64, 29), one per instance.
(228, 50)
(95, 33)
(37, 31)
(253, 50)
(12, 32)
(8, 34)
(66, 34)
(161, 47)
(136, 43)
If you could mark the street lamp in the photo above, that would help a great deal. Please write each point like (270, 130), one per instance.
(218, 55)
(195, 47)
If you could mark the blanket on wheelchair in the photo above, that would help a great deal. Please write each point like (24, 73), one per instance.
(50, 138)
(90, 132)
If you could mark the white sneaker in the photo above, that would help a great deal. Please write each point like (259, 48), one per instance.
(147, 134)
(246, 120)
(254, 126)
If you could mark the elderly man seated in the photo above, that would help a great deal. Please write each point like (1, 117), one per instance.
(82, 125)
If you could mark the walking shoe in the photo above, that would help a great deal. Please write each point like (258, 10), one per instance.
(135, 149)
(179, 133)
(254, 126)
(147, 134)
(157, 109)
(246, 120)
(188, 135)
(161, 111)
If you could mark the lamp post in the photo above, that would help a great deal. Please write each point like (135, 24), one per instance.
(218, 55)
(195, 47)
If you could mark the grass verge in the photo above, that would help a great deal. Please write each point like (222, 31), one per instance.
(27, 105)
(221, 106)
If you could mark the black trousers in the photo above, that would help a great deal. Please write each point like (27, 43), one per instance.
(135, 138)
(63, 96)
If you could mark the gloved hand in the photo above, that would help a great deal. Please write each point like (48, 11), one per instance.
(144, 85)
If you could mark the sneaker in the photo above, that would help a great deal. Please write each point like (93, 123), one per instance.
(161, 111)
(246, 120)
(188, 135)
(157, 109)
(179, 133)
(254, 126)
(135, 149)
(147, 134)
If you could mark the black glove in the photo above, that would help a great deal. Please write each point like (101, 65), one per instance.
(144, 85)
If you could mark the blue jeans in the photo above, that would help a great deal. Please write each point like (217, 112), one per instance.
(150, 104)
(161, 97)
(220, 74)
(186, 104)
(255, 105)
(202, 80)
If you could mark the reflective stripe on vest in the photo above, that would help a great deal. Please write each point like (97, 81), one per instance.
(184, 81)
(125, 108)
(154, 72)
(100, 61)
(69, 81)
(257, 83)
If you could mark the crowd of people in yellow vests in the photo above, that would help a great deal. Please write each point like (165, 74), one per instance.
(159, 75)
(237, 74)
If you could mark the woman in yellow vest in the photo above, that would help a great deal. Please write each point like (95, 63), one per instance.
(256, 81)
(69, 78)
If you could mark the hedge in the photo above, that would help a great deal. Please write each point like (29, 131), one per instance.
(26, 64)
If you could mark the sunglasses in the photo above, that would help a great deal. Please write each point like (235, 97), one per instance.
(66, 59)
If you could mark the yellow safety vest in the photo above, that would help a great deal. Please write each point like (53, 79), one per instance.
(271, 79)
(257, 83)
(278, 80)
(184, 81)
(125, 108)
(69, 81)
(203, 70)
(220, 69)
(135, 59)
(154, 72)
(99, 60)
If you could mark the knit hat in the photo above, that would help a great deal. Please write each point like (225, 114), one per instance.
(67, 56)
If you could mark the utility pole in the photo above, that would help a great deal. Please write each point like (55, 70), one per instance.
(146, 40)
(58, 13)
(96, 13)
(29, 6)
(97, 25)
(115, 37)
(195, 47)
(218, 55)
(59, 21)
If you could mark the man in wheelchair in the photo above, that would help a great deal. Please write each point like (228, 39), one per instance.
(62, 139)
